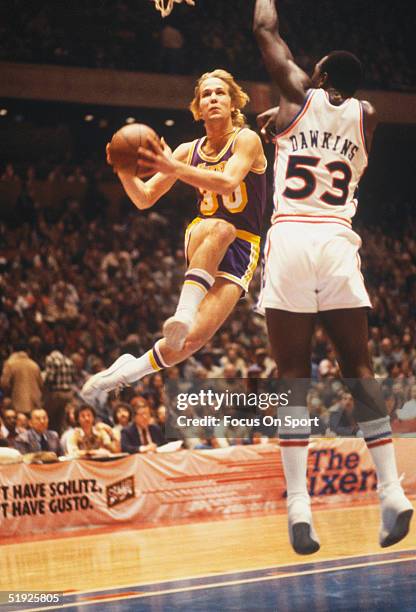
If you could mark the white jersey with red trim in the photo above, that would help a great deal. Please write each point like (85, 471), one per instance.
(320, 158)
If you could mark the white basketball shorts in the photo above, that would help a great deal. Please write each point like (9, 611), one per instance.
(312, 266)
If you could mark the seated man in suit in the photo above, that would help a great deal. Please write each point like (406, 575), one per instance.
(141, 436)
(38, 437)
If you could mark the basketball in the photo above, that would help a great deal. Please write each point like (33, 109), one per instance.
(124, 145)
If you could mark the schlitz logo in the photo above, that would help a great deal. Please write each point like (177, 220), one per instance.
(120, 491)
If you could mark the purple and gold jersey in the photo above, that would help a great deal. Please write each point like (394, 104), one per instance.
(244, 208)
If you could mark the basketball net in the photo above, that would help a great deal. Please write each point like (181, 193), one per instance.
(165, 6)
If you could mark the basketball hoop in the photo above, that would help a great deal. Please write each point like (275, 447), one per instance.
(165, 6)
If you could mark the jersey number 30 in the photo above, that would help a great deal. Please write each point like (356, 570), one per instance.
(234, 203)
(299, 167)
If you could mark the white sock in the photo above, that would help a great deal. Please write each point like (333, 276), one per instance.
(295, 464)
(294, 450)
(197, 284)
(377, 434)
(149, 363)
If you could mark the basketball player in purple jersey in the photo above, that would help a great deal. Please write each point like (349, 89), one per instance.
(227, 167)
(323, 135)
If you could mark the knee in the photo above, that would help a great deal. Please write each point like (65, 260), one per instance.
(224, 232)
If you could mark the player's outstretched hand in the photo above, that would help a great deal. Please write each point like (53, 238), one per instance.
(267, 123)
(157, 156)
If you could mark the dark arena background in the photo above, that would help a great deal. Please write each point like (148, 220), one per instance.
(85, 277)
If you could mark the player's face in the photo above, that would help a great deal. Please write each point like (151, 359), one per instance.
(214, 100)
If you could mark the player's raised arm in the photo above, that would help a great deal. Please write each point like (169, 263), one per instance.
(247, 150)
(145, 194)
(370, 122)
(292, 80)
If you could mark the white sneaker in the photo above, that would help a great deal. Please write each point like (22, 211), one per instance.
(106, 380)
(396, 514)
(175, 331)
(302, 535)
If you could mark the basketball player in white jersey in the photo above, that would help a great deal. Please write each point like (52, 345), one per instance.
(312, 265)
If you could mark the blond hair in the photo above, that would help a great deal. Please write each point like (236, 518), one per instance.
(239, 98)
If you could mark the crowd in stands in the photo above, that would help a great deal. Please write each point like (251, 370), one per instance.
(130, 35)
(77, 290)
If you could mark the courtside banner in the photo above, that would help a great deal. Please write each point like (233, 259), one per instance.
(188, 485)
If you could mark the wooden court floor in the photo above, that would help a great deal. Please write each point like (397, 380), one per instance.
(116, 559)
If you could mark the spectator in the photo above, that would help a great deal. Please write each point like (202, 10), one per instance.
(22, 422)
(265, 363)
(138, 401)
(141, 436)
(408, 411)
(59, 376)
(233, 358)
(88, 438)
(161, 415)
(341, 418)
(81, 374)
(327, 369)
(122, 418)
(8, 428)
(38, 437)
(22, 379)
(206, 357)
(385, 361)
(317, 409)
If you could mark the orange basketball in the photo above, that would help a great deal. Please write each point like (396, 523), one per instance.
(124, 145)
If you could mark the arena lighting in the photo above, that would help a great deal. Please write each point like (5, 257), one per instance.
(169, 122)
(3, 112)
(130, 120)
(103, 123)
(88, 117)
